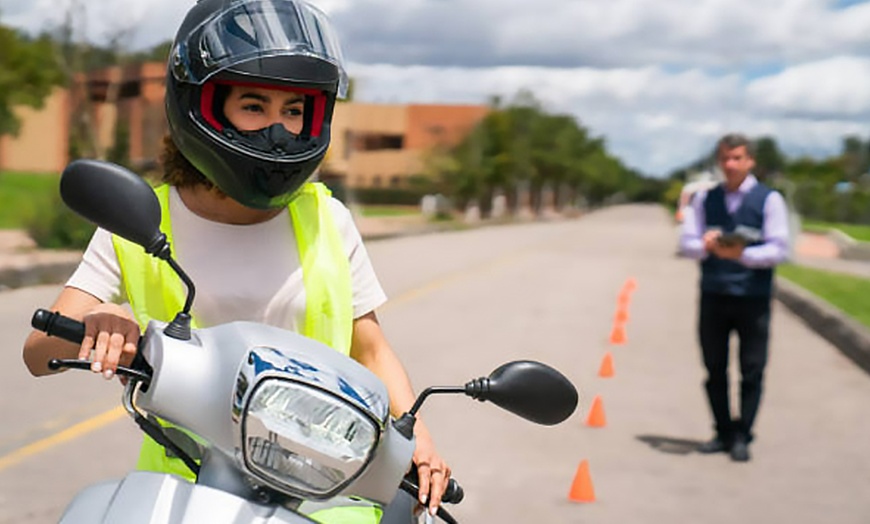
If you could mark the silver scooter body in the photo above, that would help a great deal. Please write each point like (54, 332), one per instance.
(194, 386)
(203, 384)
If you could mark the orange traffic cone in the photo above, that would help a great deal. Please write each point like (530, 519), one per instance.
(621, 316)
(596, 419)
(581, 488)
(606, 369)
(624, 298)
(617, 335)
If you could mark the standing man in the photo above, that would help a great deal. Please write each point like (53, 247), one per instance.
(738, 230)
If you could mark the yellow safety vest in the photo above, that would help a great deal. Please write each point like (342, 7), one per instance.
(155, 292)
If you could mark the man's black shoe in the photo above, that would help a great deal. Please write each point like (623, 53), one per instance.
(716, 445)
(740, 449)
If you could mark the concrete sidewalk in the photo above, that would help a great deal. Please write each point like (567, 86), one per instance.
(834, 325)
(820, 252)
(22, 264)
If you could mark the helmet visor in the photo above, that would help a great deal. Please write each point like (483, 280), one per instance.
(256, 29)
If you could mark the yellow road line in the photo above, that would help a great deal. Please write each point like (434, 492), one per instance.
(66, 435)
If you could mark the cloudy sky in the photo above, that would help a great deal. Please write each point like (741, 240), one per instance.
(659, 79)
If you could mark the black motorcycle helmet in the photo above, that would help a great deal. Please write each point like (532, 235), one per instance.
(275, 44)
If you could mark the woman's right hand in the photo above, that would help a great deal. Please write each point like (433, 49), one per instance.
(113, 334)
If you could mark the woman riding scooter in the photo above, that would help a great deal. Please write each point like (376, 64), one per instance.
(250, 90)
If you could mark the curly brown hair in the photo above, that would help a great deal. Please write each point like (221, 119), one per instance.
(177, 170)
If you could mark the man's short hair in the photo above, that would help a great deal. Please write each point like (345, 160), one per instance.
(732, 141)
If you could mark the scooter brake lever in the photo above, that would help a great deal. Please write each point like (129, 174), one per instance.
(71, 363)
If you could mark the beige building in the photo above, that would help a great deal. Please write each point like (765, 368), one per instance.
(373, 145)
(41, 144)
(377, 145)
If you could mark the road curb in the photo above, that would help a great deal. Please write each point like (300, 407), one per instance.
(55, 270)
(847, 334)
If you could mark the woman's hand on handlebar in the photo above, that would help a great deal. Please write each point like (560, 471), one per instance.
(113, 334)
(433, 472)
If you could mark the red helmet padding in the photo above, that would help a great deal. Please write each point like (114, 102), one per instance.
(206, 104)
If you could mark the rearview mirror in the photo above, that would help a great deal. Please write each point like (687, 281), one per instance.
(532, 390)
(115, 199)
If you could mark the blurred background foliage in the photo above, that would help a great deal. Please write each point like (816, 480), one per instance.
(520, 150)
(833, 189)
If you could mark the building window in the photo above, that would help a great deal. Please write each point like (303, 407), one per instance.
(130, 89)
(377, 142)
(376, 181)
(395, 181)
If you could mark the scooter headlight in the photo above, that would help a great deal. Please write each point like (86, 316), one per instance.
(298, 438)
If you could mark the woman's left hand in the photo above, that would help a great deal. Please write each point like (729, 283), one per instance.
(370, 348)
(433, 472)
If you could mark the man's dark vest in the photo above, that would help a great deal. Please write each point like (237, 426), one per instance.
(729, 277)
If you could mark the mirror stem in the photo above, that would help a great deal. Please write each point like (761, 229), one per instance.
(179, 328)
(191, 289)
(405, 423)
(160, 248)
(431, 391)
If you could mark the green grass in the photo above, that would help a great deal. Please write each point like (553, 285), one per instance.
(859, 232)
(23, 195)
(849, 293)
(389, 211)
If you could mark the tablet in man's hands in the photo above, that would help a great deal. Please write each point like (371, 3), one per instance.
(732, 239)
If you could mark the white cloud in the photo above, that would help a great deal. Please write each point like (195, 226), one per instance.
(654, 119)
(836, 87)
(687, 33)
(633, 33)
(660, 80)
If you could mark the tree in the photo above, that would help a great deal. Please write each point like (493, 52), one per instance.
(519, 147)
(856, 160)
(28, 71)
(158, 53)
(768, 158)
(76, 57)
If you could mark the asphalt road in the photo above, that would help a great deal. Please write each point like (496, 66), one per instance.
(463, 303)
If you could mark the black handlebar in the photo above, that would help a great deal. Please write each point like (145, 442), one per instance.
(56, 325)
(452, 495)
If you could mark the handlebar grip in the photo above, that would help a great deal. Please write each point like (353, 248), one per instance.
(56, 325)
(454, 493)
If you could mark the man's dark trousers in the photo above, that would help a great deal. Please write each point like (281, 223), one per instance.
(749, 317)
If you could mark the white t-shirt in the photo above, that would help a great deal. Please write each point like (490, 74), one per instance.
(241, 272)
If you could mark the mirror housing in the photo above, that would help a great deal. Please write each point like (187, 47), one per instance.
(114, 199)
(530, 389)
(121, 202)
